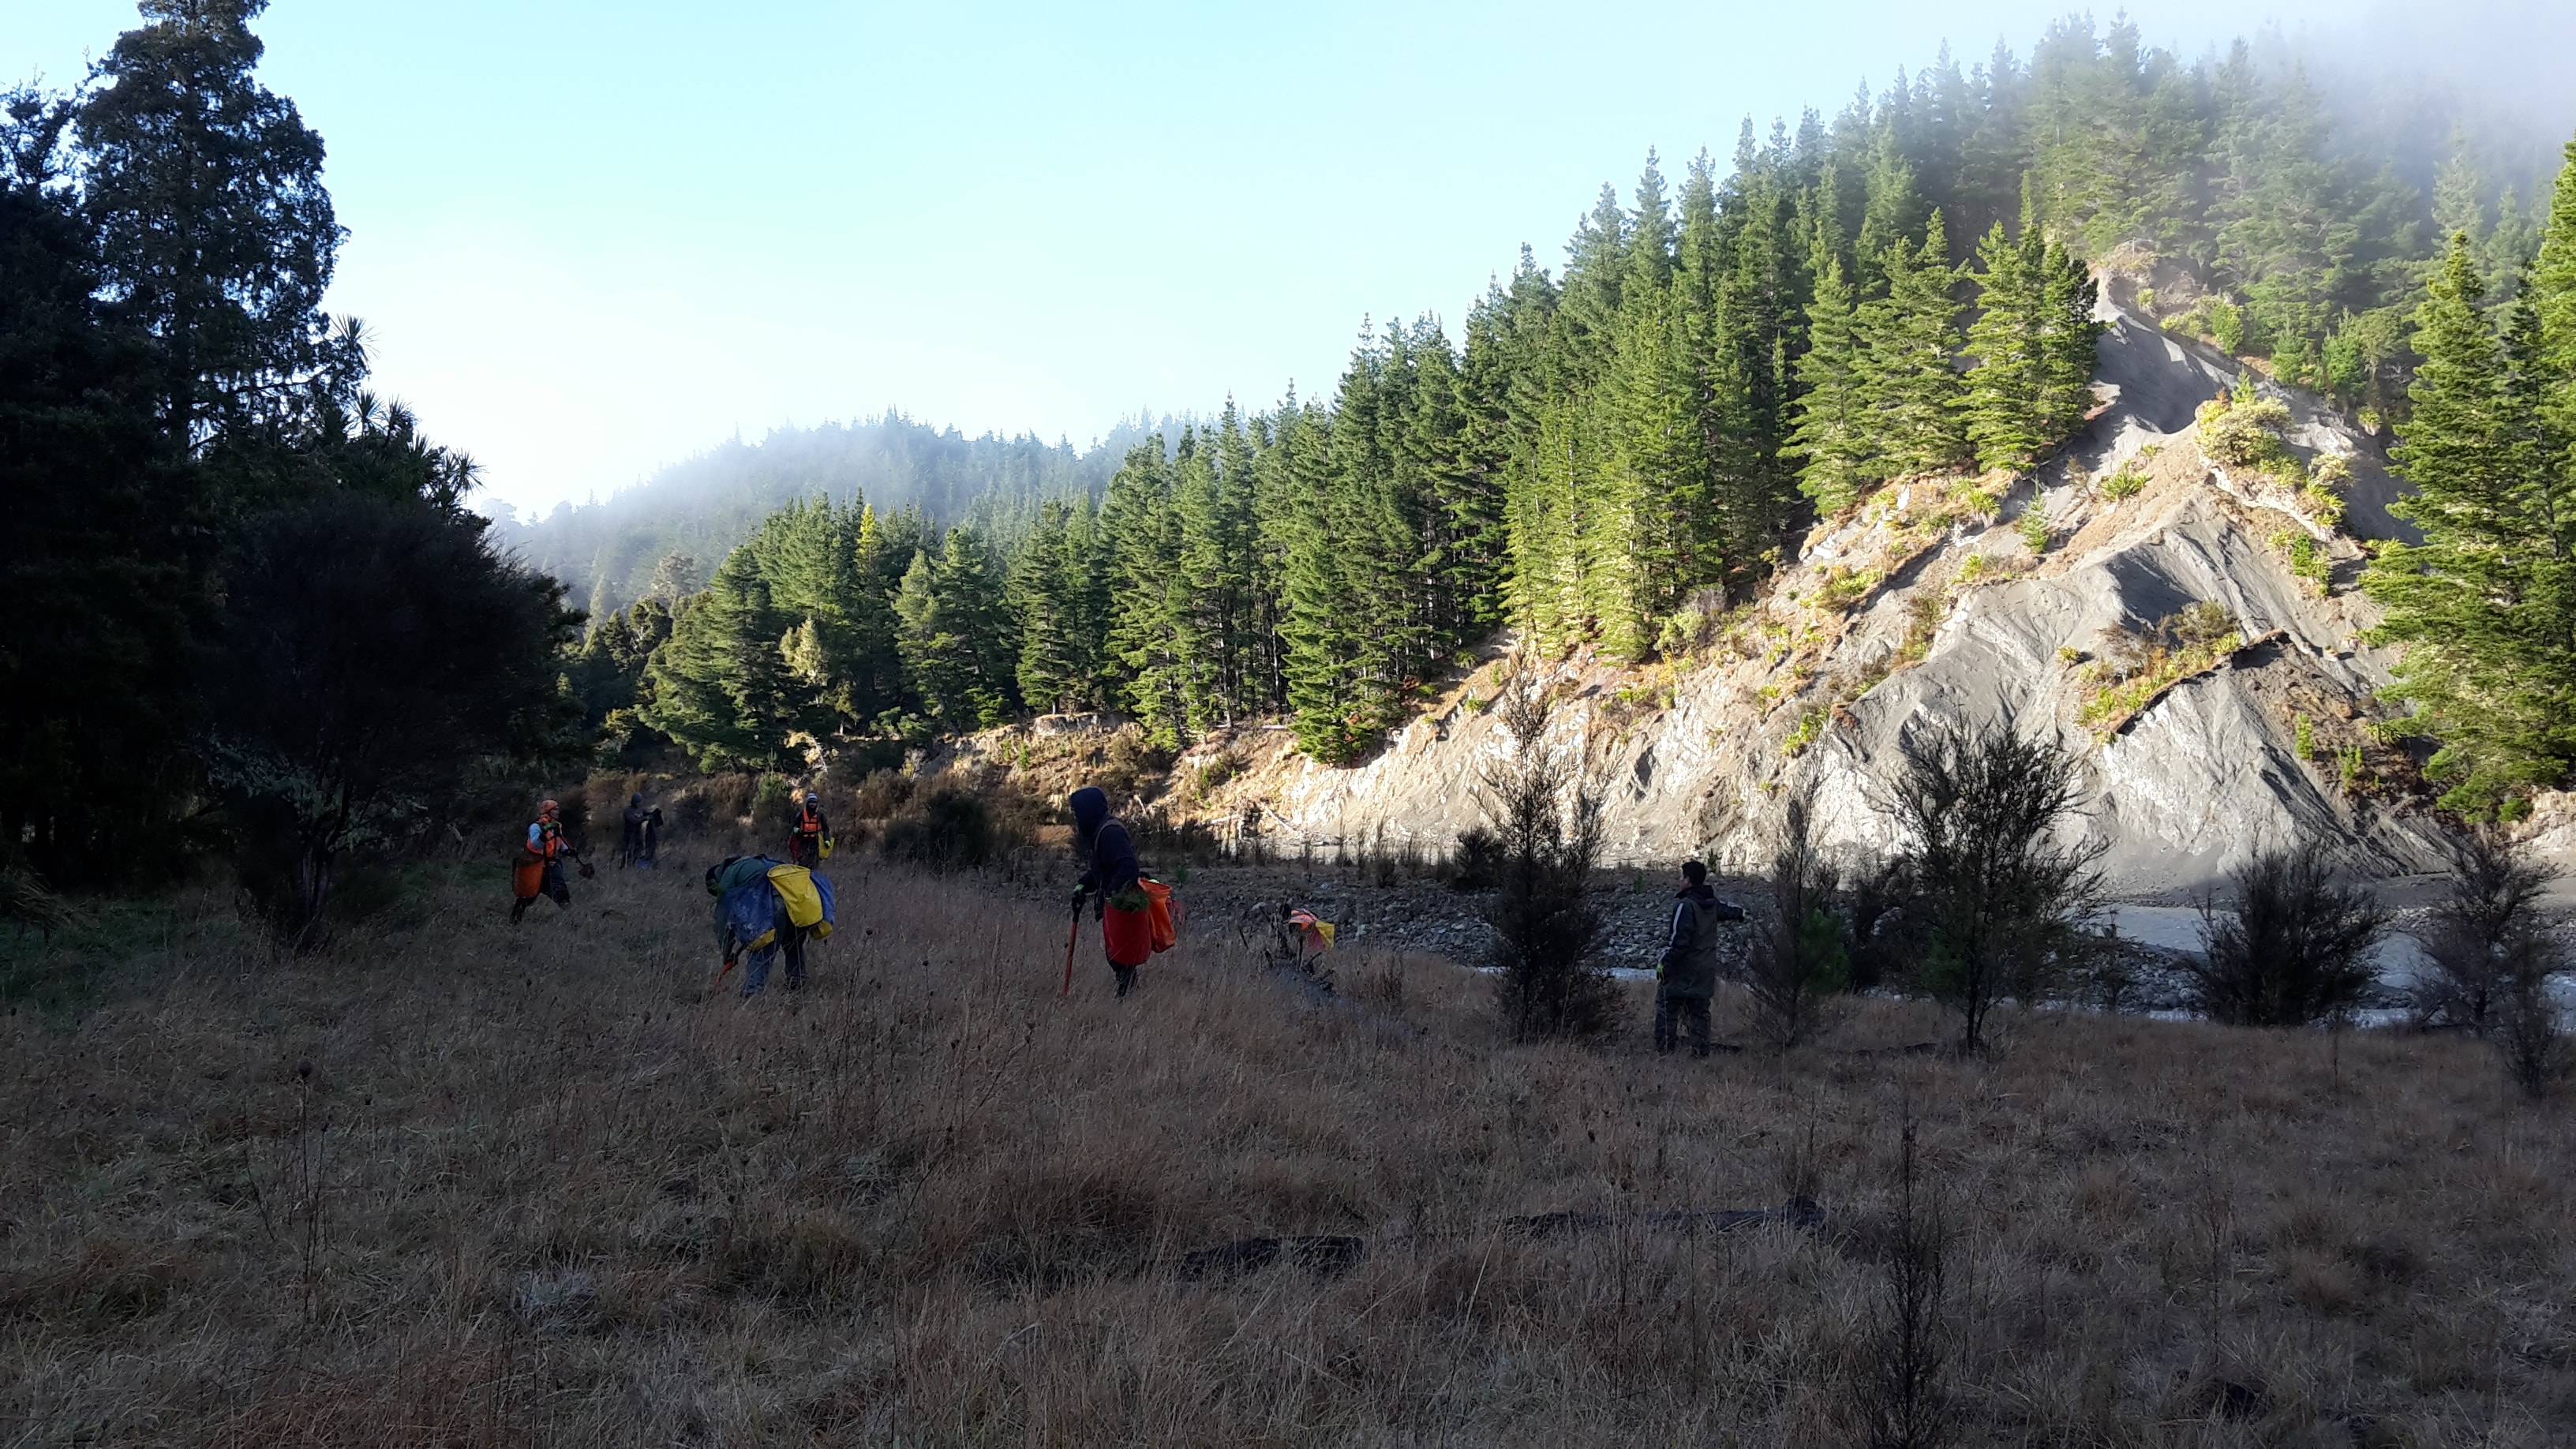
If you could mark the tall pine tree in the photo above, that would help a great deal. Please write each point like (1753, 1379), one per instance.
(2486, 604)
(1907, 341)
(1837, 431)
(719, 686)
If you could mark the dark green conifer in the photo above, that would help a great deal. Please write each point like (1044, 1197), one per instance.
(1837, 437)
(719, 686)
(2004, 410)
(2486, 604)
(1907, 342)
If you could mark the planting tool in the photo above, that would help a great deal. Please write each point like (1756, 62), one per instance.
(1070, 938)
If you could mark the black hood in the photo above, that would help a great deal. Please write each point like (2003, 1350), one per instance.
(1090, 812)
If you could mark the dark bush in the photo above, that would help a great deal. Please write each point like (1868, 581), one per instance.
(1800, 951)
(574, 801)
(2527, 1026)
(772, 802)
(2291, 947)
(2002, 902)
(1478, 863)
(369, 656)
(1545, 815)
(2474, 934)
(378, 891)
(1886, 924)
(948, 828)
(1171, 843)
(880, 795)
(715, 803)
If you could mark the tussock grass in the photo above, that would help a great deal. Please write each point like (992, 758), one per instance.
(539, 1186)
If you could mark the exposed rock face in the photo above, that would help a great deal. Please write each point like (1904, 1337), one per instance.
(1928, 610)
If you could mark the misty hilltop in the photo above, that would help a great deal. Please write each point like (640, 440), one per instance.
(607, 551)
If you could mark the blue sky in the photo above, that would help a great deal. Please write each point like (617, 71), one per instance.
(592, 238)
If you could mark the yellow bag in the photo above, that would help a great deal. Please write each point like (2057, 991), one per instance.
(823, 850)
(804, 903)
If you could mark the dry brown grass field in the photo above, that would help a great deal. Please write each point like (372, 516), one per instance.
(459, 1184)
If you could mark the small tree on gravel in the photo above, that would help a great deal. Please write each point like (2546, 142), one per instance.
(2004, 903)
(1545, 813)
(2292, 946)
(2475, 938)
(2528, 1027)
(2492, 952)
(1801, 952)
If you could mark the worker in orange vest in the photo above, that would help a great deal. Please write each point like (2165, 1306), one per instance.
(540, 867)
(807, 832)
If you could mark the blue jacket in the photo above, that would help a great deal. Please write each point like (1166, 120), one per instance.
(749, 908)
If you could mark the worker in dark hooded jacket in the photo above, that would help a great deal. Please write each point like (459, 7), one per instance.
(630, 831)
(1686, 974)
(1110, 869)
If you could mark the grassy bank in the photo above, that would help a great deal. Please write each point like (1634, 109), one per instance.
(460, 1184)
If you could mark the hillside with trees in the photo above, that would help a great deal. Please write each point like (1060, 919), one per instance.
(1610, 455)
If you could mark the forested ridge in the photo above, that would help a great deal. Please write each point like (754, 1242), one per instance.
(612, 549)
(1611, 453)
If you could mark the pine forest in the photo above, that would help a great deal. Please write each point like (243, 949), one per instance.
(1606, 455)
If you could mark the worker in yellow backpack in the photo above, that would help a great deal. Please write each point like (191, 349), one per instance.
(766, 909)
(809, 835)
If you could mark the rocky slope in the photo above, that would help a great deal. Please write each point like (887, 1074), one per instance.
(2160, 630)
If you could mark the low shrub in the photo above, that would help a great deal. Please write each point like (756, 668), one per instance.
(2126, 482)
(1477, 864)
(718, 802)
(2476, 939)
(948, 828)
(1213, 775)
(1131, 760)
(2244, 430)
(575, 803)
(880, 795)
(1545, 813)
(2530, 1030)
(1800, 951)
(771, 803)
(2133, 672)
(1810, 725)
(2291, 947)
(2004, 903)
(1886, 931)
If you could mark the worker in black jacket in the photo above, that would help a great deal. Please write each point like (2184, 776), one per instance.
(1110, 868)
(1686, 974)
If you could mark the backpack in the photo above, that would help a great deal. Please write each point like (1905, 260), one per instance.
(1163, 914)
(807, 897)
